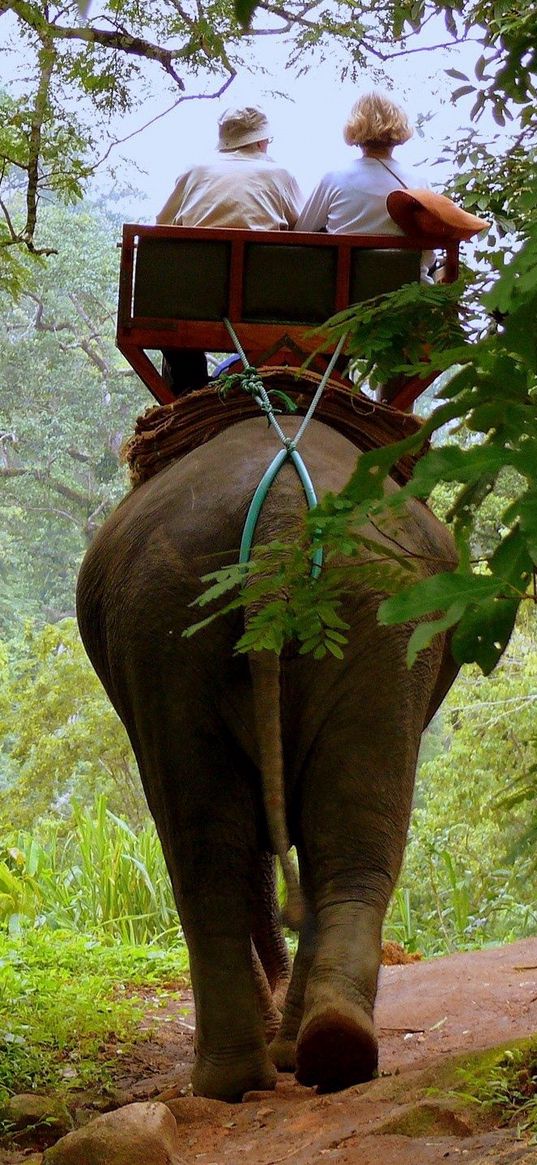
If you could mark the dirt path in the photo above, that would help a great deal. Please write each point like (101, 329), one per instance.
(427, 1013)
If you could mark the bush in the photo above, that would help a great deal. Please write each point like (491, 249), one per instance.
(102, 879)
(467, 876)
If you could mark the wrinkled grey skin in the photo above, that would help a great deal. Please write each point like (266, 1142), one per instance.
(350, 733)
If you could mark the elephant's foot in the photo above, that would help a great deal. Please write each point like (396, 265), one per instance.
(283, 1054)
(336, 1048)
(229, 1080)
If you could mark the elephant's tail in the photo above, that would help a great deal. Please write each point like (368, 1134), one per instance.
(265, 674)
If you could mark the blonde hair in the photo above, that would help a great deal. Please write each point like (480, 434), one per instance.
(374, 120)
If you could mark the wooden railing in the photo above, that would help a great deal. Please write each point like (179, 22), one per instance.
(177, 285)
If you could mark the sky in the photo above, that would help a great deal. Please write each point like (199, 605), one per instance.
(306, 113)
(306, 121)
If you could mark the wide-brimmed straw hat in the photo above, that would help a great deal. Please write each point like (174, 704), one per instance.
(420, 212)
(242, 127)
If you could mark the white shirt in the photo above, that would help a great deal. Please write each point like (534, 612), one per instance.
(239, 188)
(353, 201)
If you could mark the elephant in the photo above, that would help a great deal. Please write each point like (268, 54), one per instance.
(204, 721)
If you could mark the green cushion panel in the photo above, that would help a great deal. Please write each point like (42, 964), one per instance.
(288, 284)
(183, 279)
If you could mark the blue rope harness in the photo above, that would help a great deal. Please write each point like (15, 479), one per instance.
(288, 453)
(259, 497)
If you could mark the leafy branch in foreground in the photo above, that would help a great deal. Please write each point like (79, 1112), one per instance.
(493, 392)
(283, 602)
(392, 334)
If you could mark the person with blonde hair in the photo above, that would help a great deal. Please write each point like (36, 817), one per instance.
(353, 200)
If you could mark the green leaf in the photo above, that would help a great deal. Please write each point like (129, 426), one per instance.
(457, 75)
(286, 400)
(244, 10)
(462, 92)
(334, 636)
(330, 618)
(438, 593)
(333, 649)
(511, 562)
(524, 510)
(424, 633)
(451, 463)
(484, 632)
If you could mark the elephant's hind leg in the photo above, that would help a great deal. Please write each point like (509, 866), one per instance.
(336, 1043)
(283, 1046)
(355, 808)
(205, 806)
(345, 1045)
(267, 934)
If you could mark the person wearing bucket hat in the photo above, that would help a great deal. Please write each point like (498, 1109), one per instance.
(240, 186)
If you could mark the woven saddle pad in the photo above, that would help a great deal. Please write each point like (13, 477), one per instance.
(166, 432)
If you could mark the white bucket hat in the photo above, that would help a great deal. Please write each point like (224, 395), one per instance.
(242, 127)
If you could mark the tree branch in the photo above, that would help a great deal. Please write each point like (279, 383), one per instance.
(47, 61)
(13, 234)
(39, 322)
(85, 500)
(94, 357)
(289, 18)
(78, 455)
(188, 97)
(110, 39)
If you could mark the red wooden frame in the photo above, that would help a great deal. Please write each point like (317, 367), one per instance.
(262, 342)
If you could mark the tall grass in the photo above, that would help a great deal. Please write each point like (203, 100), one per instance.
(105, 880)
(102, 879)
(450, 911)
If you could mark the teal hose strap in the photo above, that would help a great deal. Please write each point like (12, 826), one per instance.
(288, 453)
(260, 495)
(311, 498)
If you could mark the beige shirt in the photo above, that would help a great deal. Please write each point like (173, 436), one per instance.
(238, 189)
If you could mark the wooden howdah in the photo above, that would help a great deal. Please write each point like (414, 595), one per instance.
(178, 284)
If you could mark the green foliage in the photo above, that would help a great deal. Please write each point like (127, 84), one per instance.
(71, 1009)
(283, 601)
(386, 335)
(505, 1084)
(492, 392)
(62, 741)
(77, 73)
(101, 878)
(505, 193)
(469, 868)
(505, 72)
(67, 403)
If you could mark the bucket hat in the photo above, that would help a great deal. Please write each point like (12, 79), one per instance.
(425, 212)
(242, 127)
